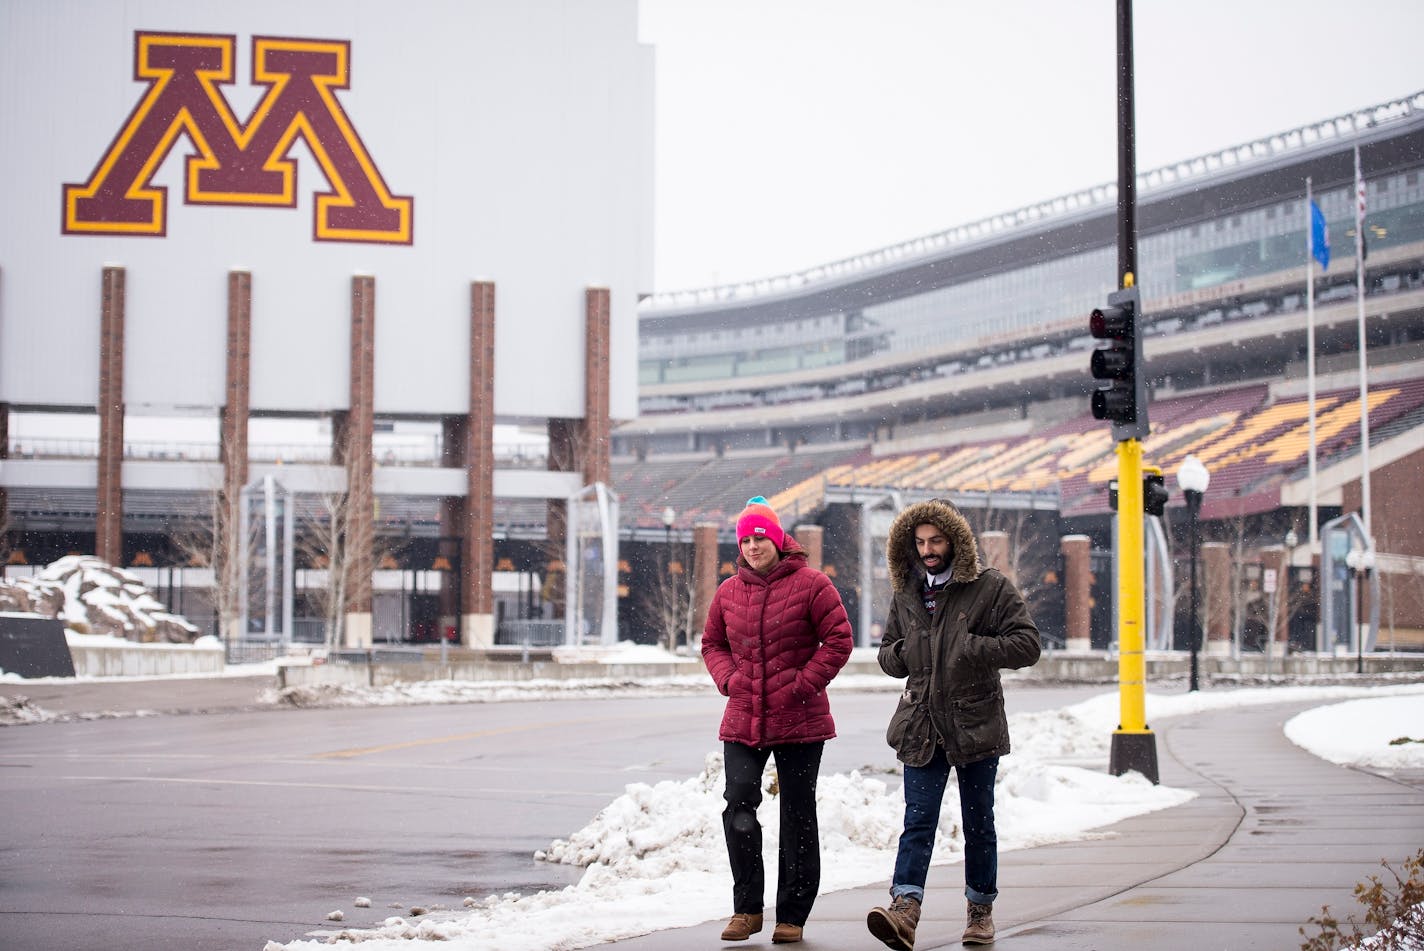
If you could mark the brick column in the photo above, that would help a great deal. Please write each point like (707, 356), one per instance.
(1216, 597)
(1077, 591)
(359, 429)
(813, 539)
(994, 552)
(596, 462)
(232, 451)
(582, 445)
(704, 566)
(477, 529)
(108, 536)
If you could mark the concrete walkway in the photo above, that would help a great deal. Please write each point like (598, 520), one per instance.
(1273, 834)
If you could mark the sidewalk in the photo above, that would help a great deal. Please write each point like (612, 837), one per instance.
(89, 698)
(1273, 834)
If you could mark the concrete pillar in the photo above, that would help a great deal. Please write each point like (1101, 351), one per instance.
(357, 457)
(704, 567)
(994, 553)
(1216, 597)
(108, 531)
(813, 539)
(1077, 591)
(477, 556)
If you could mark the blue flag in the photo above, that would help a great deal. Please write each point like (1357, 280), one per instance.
(1319, 237)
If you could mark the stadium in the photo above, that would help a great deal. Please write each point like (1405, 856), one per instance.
(956, 365)
(951, 365)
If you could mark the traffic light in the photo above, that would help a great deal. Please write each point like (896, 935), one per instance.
(1123, 401)
(1154, 491)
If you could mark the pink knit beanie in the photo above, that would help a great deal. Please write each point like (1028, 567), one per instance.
(758, 518)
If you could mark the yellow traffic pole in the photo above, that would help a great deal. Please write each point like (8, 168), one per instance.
(1133, 745)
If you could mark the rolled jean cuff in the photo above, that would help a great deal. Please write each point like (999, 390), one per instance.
(978, 897)
(911, 891)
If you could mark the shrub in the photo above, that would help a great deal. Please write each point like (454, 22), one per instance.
(1394, 914)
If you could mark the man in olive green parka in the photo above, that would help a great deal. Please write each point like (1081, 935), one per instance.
(953, 625)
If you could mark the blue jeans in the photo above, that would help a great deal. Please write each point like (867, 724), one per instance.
(924, 794)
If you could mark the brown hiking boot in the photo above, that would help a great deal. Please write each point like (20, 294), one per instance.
(785, 934)
(896, 925)
(741, 927)
(981, 924)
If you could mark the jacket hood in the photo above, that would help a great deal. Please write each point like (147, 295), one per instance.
(904, 561)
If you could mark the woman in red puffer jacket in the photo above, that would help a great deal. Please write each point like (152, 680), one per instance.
(776, 634)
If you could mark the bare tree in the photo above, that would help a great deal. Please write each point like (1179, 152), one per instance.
(1032, 553)
(667, 596)
(216, 543)
(322, 538)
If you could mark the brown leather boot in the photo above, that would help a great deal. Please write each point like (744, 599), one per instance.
(785, 934)
(981, 924)
(896, 925)
(741, 927)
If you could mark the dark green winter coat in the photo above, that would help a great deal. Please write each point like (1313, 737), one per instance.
(954, 697)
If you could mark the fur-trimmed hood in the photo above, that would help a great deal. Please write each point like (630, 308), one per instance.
(904, 561)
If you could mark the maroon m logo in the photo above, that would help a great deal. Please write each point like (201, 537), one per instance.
(239, 163)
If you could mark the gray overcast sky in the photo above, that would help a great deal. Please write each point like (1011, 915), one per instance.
(791, 133)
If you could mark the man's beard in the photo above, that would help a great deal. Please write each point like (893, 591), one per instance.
(935, 568)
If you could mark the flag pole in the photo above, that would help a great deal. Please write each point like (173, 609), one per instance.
(1310, 355)
(1364, 365)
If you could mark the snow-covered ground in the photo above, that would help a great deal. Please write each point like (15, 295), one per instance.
(655, 857)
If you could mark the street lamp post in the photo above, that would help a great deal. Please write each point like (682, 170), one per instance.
(1360, 561)
(1193, 478)
(669, 516)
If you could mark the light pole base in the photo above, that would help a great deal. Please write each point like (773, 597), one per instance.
(1134, 751)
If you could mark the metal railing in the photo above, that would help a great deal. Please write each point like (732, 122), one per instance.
(530, 634)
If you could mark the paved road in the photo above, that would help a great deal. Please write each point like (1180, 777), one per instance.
(222, 830)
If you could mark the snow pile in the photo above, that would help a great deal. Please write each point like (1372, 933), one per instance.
(1385, 733)
(93, 597)
(21, 710)
(655, 857)
(476, 691)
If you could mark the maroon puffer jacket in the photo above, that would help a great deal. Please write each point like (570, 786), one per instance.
(772, 643)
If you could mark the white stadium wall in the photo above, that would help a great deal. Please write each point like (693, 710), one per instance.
(500, 141)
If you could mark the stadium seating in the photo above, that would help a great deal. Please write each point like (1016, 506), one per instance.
(1252, 443)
